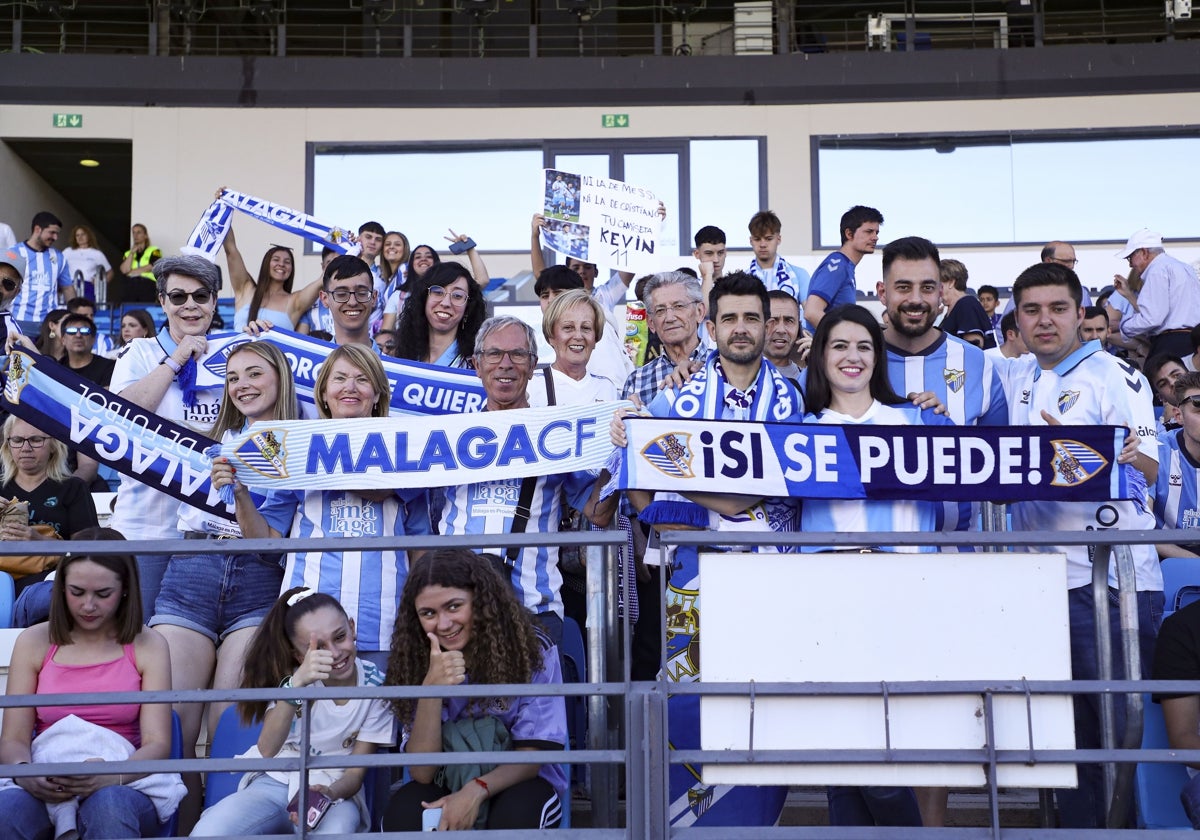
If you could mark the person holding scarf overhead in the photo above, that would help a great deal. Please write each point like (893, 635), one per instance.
(160, 375)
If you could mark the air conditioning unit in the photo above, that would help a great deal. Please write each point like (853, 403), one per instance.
(753, 28)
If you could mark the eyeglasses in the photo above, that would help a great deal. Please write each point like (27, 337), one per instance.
(36, 442)
(457, 297)
(518, 357)
(77, 330)
(1193, 401)
(343, 295)
(179, 298)
(1068, 263)
(673, 308)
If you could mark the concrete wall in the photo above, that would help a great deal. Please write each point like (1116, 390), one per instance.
(182, 154)
(23, 193)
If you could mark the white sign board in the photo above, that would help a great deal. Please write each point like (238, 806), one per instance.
(845, 617)
(600, 220)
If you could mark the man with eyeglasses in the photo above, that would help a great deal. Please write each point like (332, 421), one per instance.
(674, 310)
(1168, 306)
(505, 357)
(87, 306)
(1057, 253)
(348, 292)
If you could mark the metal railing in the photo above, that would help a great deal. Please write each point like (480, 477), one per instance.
(468, 28)
(644, 706)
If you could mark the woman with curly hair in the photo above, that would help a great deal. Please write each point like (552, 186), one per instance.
(460, 622)
(441, 317)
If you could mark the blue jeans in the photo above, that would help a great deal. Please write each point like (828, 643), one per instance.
(872, 806)
(1084, 806)
(113, 811)
(261, 808)
(1190, 797)
(216, 594)
(151, 568)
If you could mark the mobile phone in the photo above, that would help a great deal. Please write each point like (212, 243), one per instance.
(317, 804)
(462, 247)
(430, 819)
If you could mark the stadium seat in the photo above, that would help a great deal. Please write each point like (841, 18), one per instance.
(574, 659)
(1181, 582)
(231, 739)
(171, 827)
(1157, 786)
(7, 597)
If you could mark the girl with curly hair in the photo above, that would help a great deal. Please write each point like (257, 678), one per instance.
(306, 639)
(441, 317)
(460, 622)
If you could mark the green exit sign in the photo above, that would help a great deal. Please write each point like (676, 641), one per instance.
(614, 120)
(68, 120)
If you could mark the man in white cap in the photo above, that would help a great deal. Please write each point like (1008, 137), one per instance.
(1168, 306)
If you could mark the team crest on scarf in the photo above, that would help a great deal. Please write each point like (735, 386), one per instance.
(954, 379)
(1074, 462)
(264, 453)
(671, 455)
(18, 377)
(336, 235)
(1067, 399)
(216, 362)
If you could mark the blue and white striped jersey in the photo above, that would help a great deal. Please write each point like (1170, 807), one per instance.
(45, 274)
(1177, 492)
(366, 583)
(968, 384)
(488, 507)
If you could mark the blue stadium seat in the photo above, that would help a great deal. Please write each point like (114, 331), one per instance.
(1181, 582)
(171, 827)
(231, 739)
(7, 597)
(574, 660)
(1157, 786)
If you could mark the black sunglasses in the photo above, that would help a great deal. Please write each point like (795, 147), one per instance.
(1193, 401)
(178, 298)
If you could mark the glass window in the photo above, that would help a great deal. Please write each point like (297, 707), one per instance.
(486, 194)
(1009, 189)
(725, 180)
(660, 173)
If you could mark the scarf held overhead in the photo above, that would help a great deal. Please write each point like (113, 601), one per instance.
(1050, 463)
(209, 234)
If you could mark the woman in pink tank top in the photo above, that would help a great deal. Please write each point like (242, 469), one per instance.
(94, 642)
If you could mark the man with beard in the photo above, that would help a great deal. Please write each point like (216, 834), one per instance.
(923, 358)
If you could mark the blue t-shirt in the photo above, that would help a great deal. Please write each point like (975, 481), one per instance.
(833, 281)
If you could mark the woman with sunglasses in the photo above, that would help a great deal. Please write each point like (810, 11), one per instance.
(270, 297)
(440, 319)
(152, 373)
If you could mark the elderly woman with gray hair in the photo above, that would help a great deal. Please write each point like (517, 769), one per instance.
(158, 373)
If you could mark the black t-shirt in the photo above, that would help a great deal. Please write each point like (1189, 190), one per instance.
(98, 370)
(1177, 651)
(66, 505)
(967, 316)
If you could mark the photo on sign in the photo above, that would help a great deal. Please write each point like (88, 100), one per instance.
(562, 197)
(566, 238)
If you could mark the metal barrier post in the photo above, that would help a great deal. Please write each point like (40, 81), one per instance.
(602, 778)
(646, 790)
(1122, 798)
(1118, 779)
